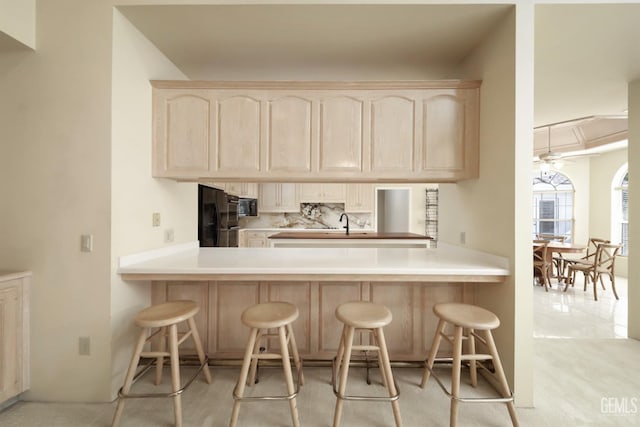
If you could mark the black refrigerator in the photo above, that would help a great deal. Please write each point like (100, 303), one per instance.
(217, 218)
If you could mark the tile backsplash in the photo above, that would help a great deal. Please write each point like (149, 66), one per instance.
(311, 215)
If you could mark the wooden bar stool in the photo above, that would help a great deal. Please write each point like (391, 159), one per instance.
(260, 318)
(371, 317)
(164, 319)
(474, 319)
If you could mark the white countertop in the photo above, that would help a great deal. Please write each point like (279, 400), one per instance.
(443, 261)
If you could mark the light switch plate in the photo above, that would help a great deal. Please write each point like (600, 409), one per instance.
(86, 243)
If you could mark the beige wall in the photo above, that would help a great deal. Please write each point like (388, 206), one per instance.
(135, 62)
(55, 116)
(634, 210)
(18, 20)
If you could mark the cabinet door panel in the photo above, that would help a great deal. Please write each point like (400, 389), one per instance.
(10, 342)
(444, 124)
(331, 295)
(195, 292)
(297, 294)
(238, 144)
(230, 300)
(359, 198)
(289, 145)
(187, 133)
(392, 134)
(401, 334)
(341, 134)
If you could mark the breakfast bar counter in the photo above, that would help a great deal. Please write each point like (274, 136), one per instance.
(225, 281)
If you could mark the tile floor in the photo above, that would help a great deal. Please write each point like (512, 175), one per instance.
(586, 375)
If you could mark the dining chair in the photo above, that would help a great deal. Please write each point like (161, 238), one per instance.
(604, 261)
(587, 259)
(541, 264)
(558, 260)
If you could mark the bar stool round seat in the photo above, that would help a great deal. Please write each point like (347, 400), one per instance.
(467, 315)
(260, 318)
(369, 317)
(162, 321)
(166, 314)
(270, 315)
(362, 314)
(473, 318)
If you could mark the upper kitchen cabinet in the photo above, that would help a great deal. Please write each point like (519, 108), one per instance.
(410, 131)
(183, 126)
(449, 121)
(359, 198)
(242, 189)
(278, 197)
(322, 193)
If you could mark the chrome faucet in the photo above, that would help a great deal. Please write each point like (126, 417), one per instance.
(346, 226)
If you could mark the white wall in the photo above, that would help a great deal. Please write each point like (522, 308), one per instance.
(135, 195)
(495, 210)
(634, 210)
(18, 20)
(603, 168)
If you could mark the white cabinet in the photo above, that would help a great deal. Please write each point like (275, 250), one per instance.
(325, 132)
(255, 239)
(359, 198)
(322, 193)
(278, 197)
(242, 189)
(14, 334)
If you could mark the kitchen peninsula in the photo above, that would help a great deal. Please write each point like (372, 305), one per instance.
(225, 281)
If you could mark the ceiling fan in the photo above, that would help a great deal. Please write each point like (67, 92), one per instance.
(557, 159)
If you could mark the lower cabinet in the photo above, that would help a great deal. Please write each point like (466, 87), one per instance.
(255, 239)
(14, 334)
(317, 331)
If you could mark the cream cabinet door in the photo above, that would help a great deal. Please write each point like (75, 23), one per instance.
(10, 339)
(289, 137)
(242, 189)
(393, 136)
(449, 125)
(322, 193)
(278, 197)
(359, 198)
(183, 127)
(341, 138)
(256, 239)
(238, 140)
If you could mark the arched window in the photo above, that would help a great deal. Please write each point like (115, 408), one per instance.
(553, 205)
(620, 209)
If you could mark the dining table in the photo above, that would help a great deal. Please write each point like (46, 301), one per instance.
(562, 248)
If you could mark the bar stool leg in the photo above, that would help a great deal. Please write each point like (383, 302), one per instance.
(344, 372)
(243, 375)
(254, 361)
(455, 375)
(472, 363)
(388, 375)
(294, 351)
(286, 365)
(380, 365)
(435, 344)
(196, 340)
(338, 360)
(131, 371)
(502, 379)
(175, 372)
(160, 359)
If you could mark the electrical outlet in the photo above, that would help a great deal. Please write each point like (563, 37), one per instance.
(463, 237)
(84, 346)
(168, 235)
(155, 221)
